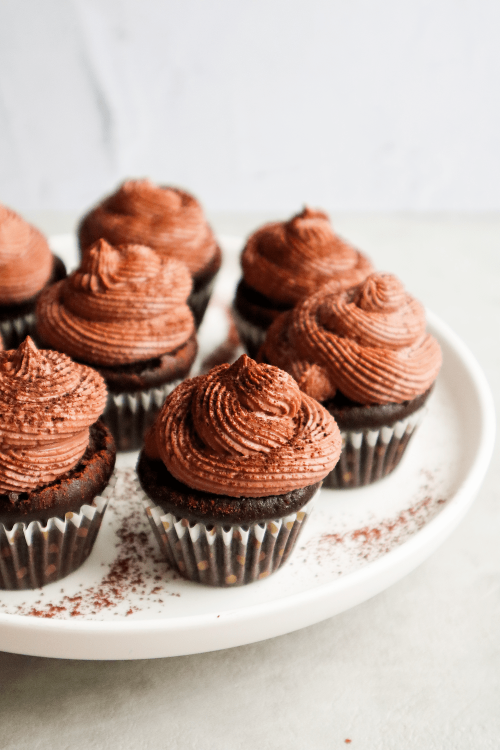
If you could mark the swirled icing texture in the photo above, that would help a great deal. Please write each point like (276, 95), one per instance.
(246, 430)
(124, 304)
(286, 261)
(26, 261)
(167, 219)
(369, 343)
(47, 403)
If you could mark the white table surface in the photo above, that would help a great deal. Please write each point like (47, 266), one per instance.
(418, 666)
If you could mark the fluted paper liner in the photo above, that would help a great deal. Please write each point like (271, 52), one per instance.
(369, 455)
(226, 554)
(15, 330)
(251, 335)
(43, 552)
(129, 415)
(198, 300)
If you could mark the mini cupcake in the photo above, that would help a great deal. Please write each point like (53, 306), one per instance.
(286, 261)
(230, 471)
(26, 267)
(124, 312)
(56, 463)
(167, 219)
(365, 355)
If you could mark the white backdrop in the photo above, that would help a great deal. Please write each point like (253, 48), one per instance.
(253, 104)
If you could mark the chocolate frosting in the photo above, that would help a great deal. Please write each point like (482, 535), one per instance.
(165, 218)
(25, 258)
(369, 343)
(47, 404)
(124, 304)
(285, 261)
(244, 430)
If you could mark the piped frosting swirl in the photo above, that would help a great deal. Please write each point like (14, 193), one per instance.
(285, 261)
(124, 304)
(369, 343)
(168, 219)
(26, 261)
(245, 430)
(47, 403)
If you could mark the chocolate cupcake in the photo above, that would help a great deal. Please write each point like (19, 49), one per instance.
(26, 267)
(167, 219)
(365, 355)
(286, 261)
(124, 312)
(56, 463)
(230, 471)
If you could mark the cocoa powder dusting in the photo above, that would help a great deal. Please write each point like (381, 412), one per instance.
(135, 581)
(137, 573)
(371, 541)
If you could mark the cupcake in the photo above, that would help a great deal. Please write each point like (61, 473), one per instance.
(124, 312)
(286, 261)
(56, 463)
(26, 267)
(230, 470)
(365, 355)
(167, 219)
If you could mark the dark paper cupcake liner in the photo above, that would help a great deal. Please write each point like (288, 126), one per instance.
(15, 330)
(129, 415)
(36, 554)
(226, 555)
(198, 301)
(369, 455)
(251, 335)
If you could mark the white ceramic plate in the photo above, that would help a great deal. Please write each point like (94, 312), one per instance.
(124, 603)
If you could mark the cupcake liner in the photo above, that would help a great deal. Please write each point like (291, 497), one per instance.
(226, 555)
(198, 301)
(15, 330)
(129, 415)
(369, 455)
(43, 552)
(251, 335)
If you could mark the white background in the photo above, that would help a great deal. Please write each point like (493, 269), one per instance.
(253, 105)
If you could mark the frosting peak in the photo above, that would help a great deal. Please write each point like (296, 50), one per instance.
(47, 403)
(105, 267)
(312, 229)
(168, 219)
(369, 343)
(124, 304)
(245, 430)
(26, 261)
(286, 261)
(381, 292)
(27, 362)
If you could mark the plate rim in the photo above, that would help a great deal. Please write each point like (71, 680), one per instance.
(401, 560)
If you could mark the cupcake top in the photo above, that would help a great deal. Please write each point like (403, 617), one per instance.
(244, 430)
(167, 219)
(26, 261)
(123, 305)
(47, 403)
(285, 261)
(369, 343)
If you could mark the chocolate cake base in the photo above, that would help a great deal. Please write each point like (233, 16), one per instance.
(150, 373)
(253, 314)
(137, 392)
(49, 532)
(203, 284)
(219, 540)
(69, 491)
(18, 320)
(374, 438)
